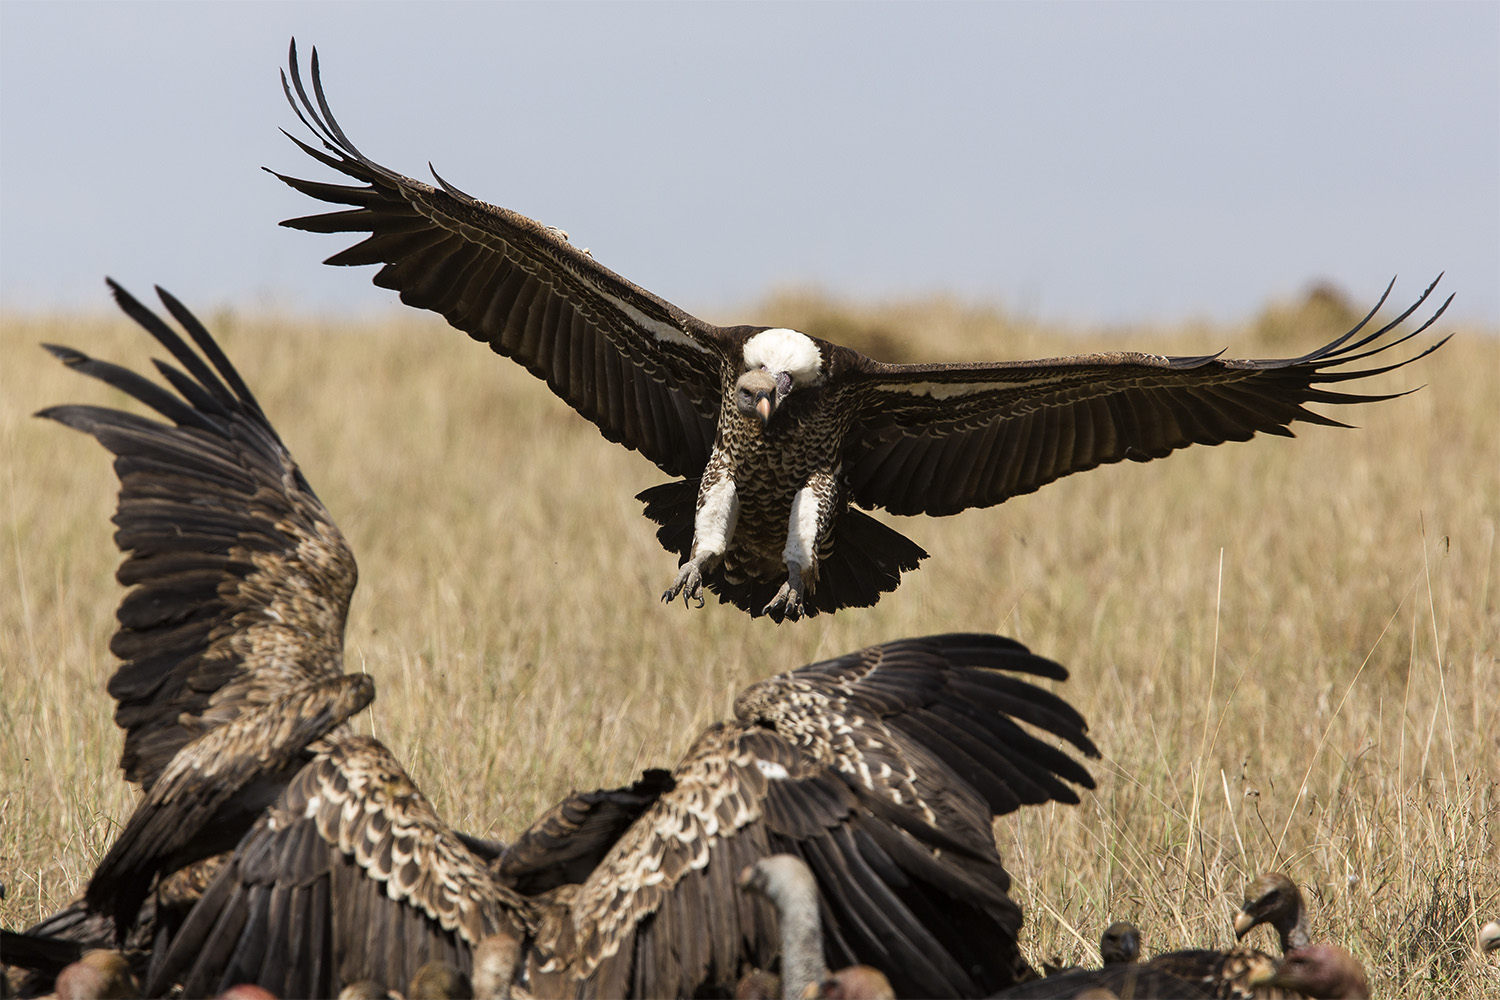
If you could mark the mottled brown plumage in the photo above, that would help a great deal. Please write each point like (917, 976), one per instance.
(232, 630)
(780, 437)
(882, 770)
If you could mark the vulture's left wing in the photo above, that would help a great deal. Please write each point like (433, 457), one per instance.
(232, 634)
(938, 439)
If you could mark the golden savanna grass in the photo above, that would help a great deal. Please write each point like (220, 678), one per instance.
(1287, 649)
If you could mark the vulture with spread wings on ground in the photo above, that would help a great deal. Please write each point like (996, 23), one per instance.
(882, 769)
(780, 437)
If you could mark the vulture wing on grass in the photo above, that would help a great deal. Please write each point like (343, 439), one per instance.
(231, 634)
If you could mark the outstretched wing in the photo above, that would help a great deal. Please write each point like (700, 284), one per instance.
(350, 875)
(937, 439)
(232, 631)
(874, 768)
(642, 370)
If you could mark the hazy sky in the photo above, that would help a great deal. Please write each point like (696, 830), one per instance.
(1079, 162)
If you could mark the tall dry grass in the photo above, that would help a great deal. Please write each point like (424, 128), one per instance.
(1287, 649)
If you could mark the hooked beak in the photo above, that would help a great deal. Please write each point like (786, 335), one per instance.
(763, 407)
(1242, 924)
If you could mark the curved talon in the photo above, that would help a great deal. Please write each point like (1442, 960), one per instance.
(787, 604)
(689, 584)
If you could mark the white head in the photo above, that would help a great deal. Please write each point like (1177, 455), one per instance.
(776, 362)
(782, 350)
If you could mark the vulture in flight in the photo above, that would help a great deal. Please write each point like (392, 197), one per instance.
(882, 769)
(777, 437)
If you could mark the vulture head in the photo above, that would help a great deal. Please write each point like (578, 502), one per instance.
(99, 973)
(1489, 937)
(776, 363)
(1120, 943)
(1274, 899)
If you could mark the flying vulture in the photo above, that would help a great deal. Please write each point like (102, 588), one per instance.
(881, 769)
(779, 437)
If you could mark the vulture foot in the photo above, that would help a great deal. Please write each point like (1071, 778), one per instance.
(689, 584)
(787, 604)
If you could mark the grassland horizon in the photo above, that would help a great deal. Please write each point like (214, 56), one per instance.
(1286, 649)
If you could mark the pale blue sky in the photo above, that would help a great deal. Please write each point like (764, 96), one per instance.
(1080, 163)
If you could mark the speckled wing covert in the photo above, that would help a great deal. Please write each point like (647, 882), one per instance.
(940, 438)
(882, 770)
(643, 371)
(349, 875)
(232, 631)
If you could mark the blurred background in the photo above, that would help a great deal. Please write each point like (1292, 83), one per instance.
(1083, 164)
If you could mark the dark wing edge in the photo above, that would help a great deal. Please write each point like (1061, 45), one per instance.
(232, 630)
(643, 371)
(937, 439)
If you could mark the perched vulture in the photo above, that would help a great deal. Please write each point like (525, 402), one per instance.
(881, 769)
(1245, 972)
(778, 437)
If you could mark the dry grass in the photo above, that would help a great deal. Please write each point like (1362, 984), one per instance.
(1283, 647)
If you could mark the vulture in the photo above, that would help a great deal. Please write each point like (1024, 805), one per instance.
(231, 634)
(1273, 899)
(882, 769)
(1120, 943)
(1243, 972)
(777, 439)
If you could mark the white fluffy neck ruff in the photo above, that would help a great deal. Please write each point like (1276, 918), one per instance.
(782, 350)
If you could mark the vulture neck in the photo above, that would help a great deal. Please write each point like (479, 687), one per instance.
(792, 889)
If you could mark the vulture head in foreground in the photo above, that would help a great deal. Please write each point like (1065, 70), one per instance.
(777, 438)
(882, 770)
